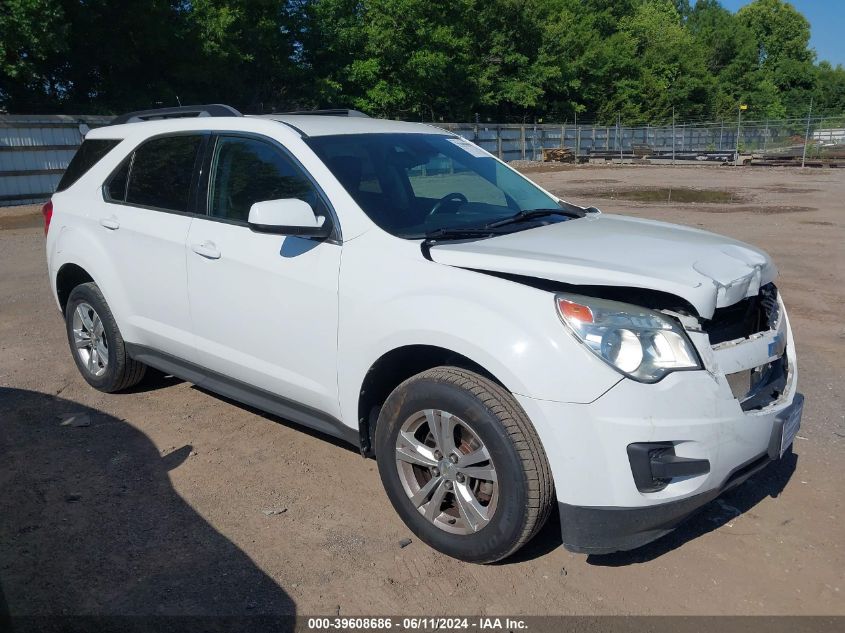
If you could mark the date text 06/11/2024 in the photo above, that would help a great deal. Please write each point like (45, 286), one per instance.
(417, 623)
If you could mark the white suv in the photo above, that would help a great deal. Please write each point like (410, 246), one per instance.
(498, 350)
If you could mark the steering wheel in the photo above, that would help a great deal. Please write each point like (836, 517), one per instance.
(449, 197)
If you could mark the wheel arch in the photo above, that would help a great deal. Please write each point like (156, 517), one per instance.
(68, 277)
(393, 368)
(78, 256)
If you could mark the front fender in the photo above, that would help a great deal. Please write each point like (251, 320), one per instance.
(509, 329)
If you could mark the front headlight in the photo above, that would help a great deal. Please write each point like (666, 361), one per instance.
(640, 343)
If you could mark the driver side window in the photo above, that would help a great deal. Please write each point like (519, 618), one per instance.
(442, 175)
(246, 171)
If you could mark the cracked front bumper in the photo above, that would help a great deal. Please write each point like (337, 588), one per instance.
(602, 509)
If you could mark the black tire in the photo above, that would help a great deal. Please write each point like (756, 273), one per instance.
(121, 372)
(525, 483)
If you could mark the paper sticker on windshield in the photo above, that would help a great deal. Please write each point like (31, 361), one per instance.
(468, 146)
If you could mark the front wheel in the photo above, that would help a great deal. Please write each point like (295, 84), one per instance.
(462, 465)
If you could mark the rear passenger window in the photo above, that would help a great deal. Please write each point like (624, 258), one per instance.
(247, 171)
(88, 155)
(162, 171)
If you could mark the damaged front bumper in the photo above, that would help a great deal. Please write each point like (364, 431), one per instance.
(603, 530)
(703, 424)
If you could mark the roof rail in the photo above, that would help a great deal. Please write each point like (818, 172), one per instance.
(213, 109)
(332, 112)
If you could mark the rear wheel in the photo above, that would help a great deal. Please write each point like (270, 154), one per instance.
(462, 465)
(96, 344)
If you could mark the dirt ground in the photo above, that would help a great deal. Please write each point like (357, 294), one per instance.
(170, 500)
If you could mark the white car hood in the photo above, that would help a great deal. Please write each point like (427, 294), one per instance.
(708, 270)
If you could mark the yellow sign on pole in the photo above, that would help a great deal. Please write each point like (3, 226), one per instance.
(743, 107)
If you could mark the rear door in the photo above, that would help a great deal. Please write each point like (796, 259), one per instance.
(150, 201)
(264, 306)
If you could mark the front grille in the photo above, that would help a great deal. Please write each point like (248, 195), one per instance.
(744, 318)
(761, 386)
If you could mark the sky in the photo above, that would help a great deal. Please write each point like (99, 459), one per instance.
(827, 18)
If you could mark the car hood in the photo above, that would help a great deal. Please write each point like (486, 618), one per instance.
(708, 270)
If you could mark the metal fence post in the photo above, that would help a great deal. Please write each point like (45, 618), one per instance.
(738, 128)
(807, 134)
(673, 135)
(577, 136)
(522, 139)
(765, 136)
(577, 141)
(499, 141)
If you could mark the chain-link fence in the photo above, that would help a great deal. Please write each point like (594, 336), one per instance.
(35, 150)
(823, 138)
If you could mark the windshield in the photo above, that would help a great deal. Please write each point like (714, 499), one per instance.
(412, 185)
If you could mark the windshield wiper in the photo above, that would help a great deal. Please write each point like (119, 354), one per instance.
(458, 233)
(455, 233)
(532, 214)
(490, 229)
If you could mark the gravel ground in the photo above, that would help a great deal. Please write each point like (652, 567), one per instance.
(170, 500)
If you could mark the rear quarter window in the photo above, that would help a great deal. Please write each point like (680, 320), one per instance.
(162, 171)
(88, 155)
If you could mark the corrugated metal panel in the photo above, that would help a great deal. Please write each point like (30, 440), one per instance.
(34, 151)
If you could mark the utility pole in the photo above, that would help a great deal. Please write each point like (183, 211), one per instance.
(742, 107)
(807, 135)
(673, 135)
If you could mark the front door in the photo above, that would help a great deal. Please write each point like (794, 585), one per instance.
(264, 307)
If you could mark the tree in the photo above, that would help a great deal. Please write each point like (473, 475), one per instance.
(411, 57)
(32, 35)
(671, 69)
(785, 72)
(829, 94)
(417, 59)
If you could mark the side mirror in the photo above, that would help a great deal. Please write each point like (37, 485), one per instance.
(289, 216)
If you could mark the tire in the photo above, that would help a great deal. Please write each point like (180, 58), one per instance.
(88, 311)
(511, 503)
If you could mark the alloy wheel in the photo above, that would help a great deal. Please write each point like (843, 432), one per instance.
(90, 341)
(447, 471)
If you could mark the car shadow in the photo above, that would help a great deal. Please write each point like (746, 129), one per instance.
(768, 483)
(301, 428)
(153, 380)
(547, 540)
(92, 527)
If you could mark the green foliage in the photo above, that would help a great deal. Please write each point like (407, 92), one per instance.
(418, 59)
(25, 75)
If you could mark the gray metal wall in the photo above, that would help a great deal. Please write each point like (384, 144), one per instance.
(34, 151)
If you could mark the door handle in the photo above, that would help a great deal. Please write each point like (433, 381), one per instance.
(207, 249)
(110, 223)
